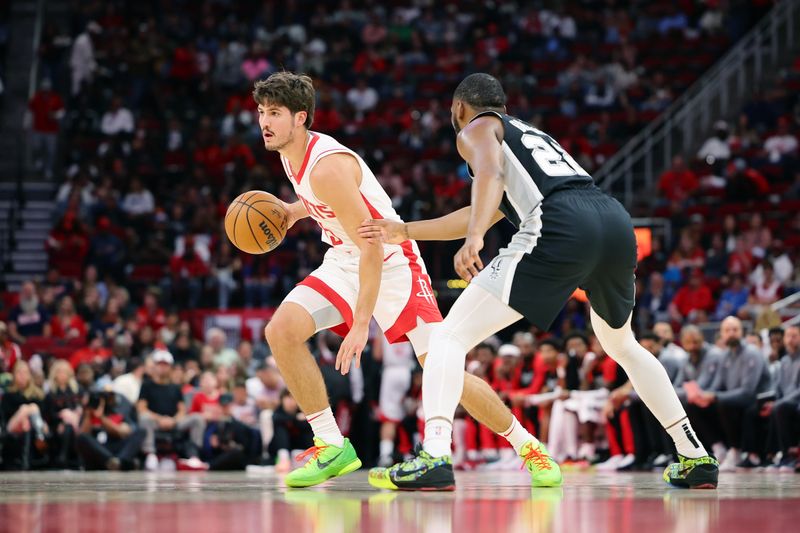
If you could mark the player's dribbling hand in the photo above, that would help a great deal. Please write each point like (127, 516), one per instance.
(468, 260)
(351, 348)
(386, 231)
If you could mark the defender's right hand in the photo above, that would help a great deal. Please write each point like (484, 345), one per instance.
(386, 231)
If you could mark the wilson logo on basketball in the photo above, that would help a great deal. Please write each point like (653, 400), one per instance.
(272, 241)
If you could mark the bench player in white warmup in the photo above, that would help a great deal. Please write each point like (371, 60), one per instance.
(357, 279)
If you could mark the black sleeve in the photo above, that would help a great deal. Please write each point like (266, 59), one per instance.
(145, 393)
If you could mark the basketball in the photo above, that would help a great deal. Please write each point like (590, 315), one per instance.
(256, 222)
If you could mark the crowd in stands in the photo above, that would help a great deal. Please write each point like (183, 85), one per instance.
(146, 118)
(178, 403)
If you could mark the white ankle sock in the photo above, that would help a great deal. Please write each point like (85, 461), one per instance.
(517, 435)
(324, 426)
(438, 437)
(686, 441)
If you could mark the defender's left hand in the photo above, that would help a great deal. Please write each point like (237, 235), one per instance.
(351, 348)
(467, 261)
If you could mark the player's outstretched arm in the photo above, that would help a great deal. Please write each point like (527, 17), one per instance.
(335, 180)
(479, 145)
(296, 211)
(449, 227)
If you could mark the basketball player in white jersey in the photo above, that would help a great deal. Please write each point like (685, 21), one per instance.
(357, 280)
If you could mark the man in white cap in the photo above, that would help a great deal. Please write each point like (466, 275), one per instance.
(161, 408)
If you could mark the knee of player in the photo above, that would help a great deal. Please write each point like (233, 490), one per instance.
(279, 331)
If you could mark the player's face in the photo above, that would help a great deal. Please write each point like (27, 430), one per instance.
(277, 125)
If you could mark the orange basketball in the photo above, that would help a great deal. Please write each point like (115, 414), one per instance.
(256, 222)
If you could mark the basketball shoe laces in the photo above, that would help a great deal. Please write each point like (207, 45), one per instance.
(314, 452)
(537, 458)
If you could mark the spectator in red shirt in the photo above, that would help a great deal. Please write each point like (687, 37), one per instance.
(67, 324)
(67, 246)
(92, 354)
(206, 400)
(150, 314)
(679, 182)
(10, 352)
(188, 272)
(46, 108)
(693, 300)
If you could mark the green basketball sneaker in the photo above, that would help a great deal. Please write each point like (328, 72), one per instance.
(544, 471)
(326, 461)
(423, 472)
(701, 473)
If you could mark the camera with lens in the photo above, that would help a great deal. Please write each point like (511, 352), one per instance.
(95, 397)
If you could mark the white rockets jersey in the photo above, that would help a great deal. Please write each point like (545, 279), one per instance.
(378, 202)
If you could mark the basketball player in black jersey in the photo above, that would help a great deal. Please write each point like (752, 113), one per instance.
(570, 235)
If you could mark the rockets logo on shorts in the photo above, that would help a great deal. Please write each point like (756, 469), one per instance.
(425, 291)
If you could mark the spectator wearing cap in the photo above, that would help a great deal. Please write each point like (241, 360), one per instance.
(47, 109)
(10, 351)
(161, 408)
(230, 444)
(265, 389)
(693, 300)
(129, 384)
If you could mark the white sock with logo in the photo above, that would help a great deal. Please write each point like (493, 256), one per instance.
(686, 441)
(517, 435)
(324, 426)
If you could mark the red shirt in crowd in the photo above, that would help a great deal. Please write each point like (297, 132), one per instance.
(10, 353)
(202, 403)
(88, 355)
(183, 267)
(62, 328)
(44, 105)
(690, 299)
(155, 319)
(677, 185)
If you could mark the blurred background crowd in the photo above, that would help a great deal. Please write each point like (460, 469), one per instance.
(144, 118)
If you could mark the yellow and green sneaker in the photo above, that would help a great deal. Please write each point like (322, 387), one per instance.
(422, 472)
(326, 461)
(544, 471)
(700, 473)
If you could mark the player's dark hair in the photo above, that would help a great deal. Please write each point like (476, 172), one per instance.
(777, 329)
(553, 343)
(481, 91)
(651, 336)
(294, 91)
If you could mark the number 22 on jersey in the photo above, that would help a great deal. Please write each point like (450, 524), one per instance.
(550, 157)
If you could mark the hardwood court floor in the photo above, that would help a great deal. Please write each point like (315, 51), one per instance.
(486, 502)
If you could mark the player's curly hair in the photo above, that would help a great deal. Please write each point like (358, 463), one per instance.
(295, 91)
(481, 91)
